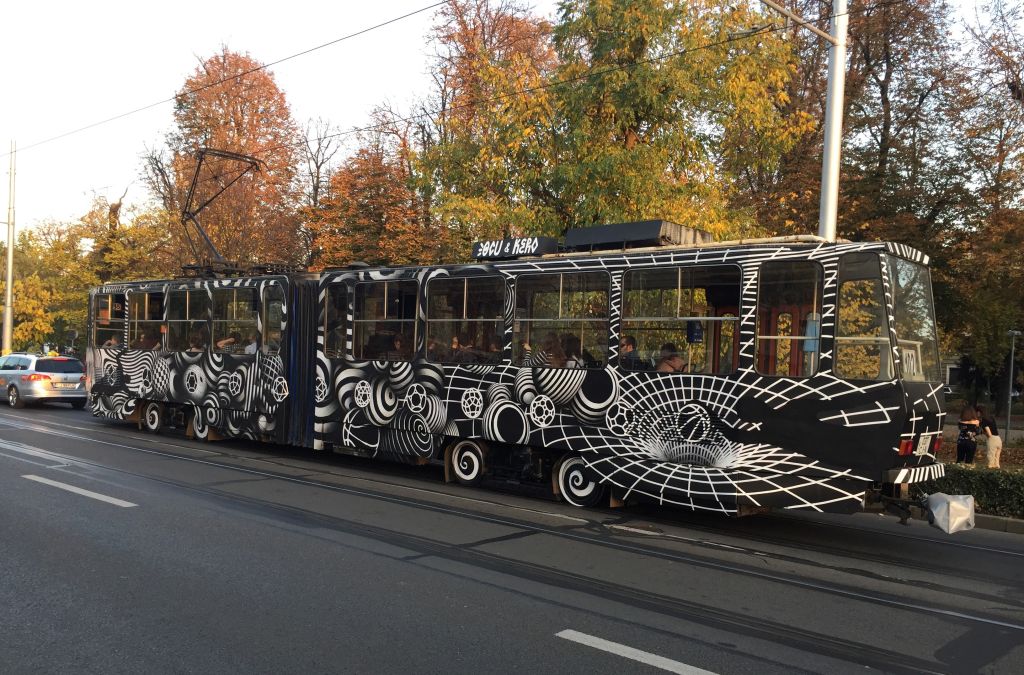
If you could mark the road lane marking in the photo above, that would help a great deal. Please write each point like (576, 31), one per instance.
(80, 491)
(632, 653)
(898, 603)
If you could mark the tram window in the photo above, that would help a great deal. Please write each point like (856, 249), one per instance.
(187, 314)
(234, 320)
(108, 320)
(789, 318)
(914, 316)
(862, 343)
(681, 319)
(561, 320)
(385, 320)
(146, 320)
(334, 320)
(273, 320)
(464, 320)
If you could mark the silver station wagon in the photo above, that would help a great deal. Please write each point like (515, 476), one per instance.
(32, 378)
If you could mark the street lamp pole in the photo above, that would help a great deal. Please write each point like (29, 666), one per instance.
(1014, 334)
(829, 205)
(9, 286)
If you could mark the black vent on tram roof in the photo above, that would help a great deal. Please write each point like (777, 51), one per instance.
(634, 235)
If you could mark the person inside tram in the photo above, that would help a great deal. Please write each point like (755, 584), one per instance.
(149, 340)
(463, 350)
(671, 361)
(196, 343)
(113, 342)
(628, 357)
(549, 355)
(573, 352)
(400, 350)
(228, 344)
(253, 345)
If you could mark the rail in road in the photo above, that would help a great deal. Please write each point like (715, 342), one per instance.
(236, 556)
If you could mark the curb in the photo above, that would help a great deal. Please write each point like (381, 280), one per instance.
(982, 521)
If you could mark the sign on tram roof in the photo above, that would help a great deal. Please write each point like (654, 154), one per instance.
(635, 235)
(497, 249)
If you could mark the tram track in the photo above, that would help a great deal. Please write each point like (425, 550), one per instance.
(592, 533)
(332, 462)
(424, 549)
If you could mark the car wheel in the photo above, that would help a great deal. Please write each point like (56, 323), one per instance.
(14, 397)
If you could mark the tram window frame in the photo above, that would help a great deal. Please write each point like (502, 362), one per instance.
(460, 325)
(852, 329)
(146, 328)
(107, 324)
(189, 330)
(272, 319)
(234, 319)
(805, 338)
(335, 321)
(383, 347)
(525, 317)
(678, 327)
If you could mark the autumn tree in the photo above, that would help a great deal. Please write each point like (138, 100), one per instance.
(232, 103)
(485, 156)
(368, 213)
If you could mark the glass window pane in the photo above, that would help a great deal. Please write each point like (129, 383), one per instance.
(862, 341)
(914, 315)
(334, 321)
(561, 320)
(273, 319)
(464, 320)
(385, 325)
(788, 289)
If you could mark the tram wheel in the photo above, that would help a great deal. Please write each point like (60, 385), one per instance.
(468, 462)
(153, 417)
(198, 426)
(576, 485)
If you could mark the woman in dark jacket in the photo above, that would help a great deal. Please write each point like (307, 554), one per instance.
(966, 445)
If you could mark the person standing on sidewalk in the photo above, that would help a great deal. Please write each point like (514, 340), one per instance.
(993, 444)
(966, 443)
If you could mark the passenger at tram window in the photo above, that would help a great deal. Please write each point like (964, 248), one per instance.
(253, 345)
(464, 351)
(671, 361)
(196, 343)
(628, 357)
(229, 343)
(550, 354)
(113, 342)
(399, 350)
(573, 352)
(149, 340)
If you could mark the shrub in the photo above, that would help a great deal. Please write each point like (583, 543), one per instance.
(996, 491)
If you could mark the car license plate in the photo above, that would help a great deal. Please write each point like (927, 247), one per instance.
(923, 445)
(64, 385)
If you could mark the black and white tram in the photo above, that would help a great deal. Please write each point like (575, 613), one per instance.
(631, 361)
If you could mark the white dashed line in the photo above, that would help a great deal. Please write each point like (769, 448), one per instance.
(80, 491)
(631, 653)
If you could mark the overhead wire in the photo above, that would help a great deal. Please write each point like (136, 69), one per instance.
(228, 78)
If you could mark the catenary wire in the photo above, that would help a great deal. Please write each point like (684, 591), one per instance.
(230, 77)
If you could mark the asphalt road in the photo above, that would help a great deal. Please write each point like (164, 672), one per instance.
(240, 557)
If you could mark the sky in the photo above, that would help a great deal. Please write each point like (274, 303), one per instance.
(69, 64)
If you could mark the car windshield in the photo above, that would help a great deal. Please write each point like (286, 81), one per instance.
(58, 366)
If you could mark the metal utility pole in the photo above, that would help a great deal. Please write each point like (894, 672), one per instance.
(829, 205)
(9, 286)
(1014, 334)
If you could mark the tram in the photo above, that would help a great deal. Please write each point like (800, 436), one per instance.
(631, 361)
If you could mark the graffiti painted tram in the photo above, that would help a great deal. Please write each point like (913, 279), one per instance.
(631, 361)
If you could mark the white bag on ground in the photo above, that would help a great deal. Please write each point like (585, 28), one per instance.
(950, 513)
